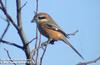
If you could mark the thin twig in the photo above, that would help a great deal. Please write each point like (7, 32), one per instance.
(35, 49)
(33, 52)
(9, 56)
(31, 41)
(23, 5)
(36, 27)
(41, 46)
(36, 43)
(37, 6)
(6, 29)
(44, 50)
(37, 54)
(72, 34)
(36, 10)
(8, 23)
(89, 62)
(93, 61)
(13, 44)
(97, 59)
(7, 15)
(41, 59)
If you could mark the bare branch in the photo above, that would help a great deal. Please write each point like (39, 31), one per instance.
(8, 23)
(36, 10)
(41, 59)
(33, 52)
(41, 46)
(37, 6)
(93, 61)
(35, 49)
(97, 59)
(44, 49)
(7, 15)
(10, 43)
(38, 47)
(6, 20)
(5, 30)
(72, 34)
(36, 27)
(23, 5)
(21, 32)
(31, 41)
(89, 62)
(9, 56)
(18, 6)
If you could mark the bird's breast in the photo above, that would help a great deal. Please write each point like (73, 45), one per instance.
(41, 29)
(54, 34)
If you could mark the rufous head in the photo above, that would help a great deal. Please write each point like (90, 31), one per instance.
(39, 17)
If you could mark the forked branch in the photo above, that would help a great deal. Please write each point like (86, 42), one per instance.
(9, 56)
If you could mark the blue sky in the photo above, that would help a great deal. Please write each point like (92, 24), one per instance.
(71, 15)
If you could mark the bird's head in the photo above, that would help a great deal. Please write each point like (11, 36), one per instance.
(42, 17)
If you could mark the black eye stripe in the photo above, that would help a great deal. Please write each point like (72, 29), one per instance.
(42, 17)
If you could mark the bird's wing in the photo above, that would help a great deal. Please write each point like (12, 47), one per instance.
(55, 27)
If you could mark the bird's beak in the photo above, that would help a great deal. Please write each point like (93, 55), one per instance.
(33, 20)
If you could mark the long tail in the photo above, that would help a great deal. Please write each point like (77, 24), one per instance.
(68, 43)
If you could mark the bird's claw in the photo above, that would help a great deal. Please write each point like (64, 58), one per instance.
(68, 36)
(43, 45)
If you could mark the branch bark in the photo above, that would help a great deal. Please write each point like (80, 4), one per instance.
(21, 32)
(11, 43)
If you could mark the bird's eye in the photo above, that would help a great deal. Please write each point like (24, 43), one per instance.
(41, 17)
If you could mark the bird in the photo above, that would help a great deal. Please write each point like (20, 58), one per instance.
(51, 30)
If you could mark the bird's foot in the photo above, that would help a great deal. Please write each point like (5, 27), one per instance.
(43, 44)
(52, 42)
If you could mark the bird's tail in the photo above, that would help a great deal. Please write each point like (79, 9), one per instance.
(68, 43)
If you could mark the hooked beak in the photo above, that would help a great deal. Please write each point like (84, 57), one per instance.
(34, 19)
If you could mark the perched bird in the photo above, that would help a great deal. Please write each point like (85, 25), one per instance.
(48, 27)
